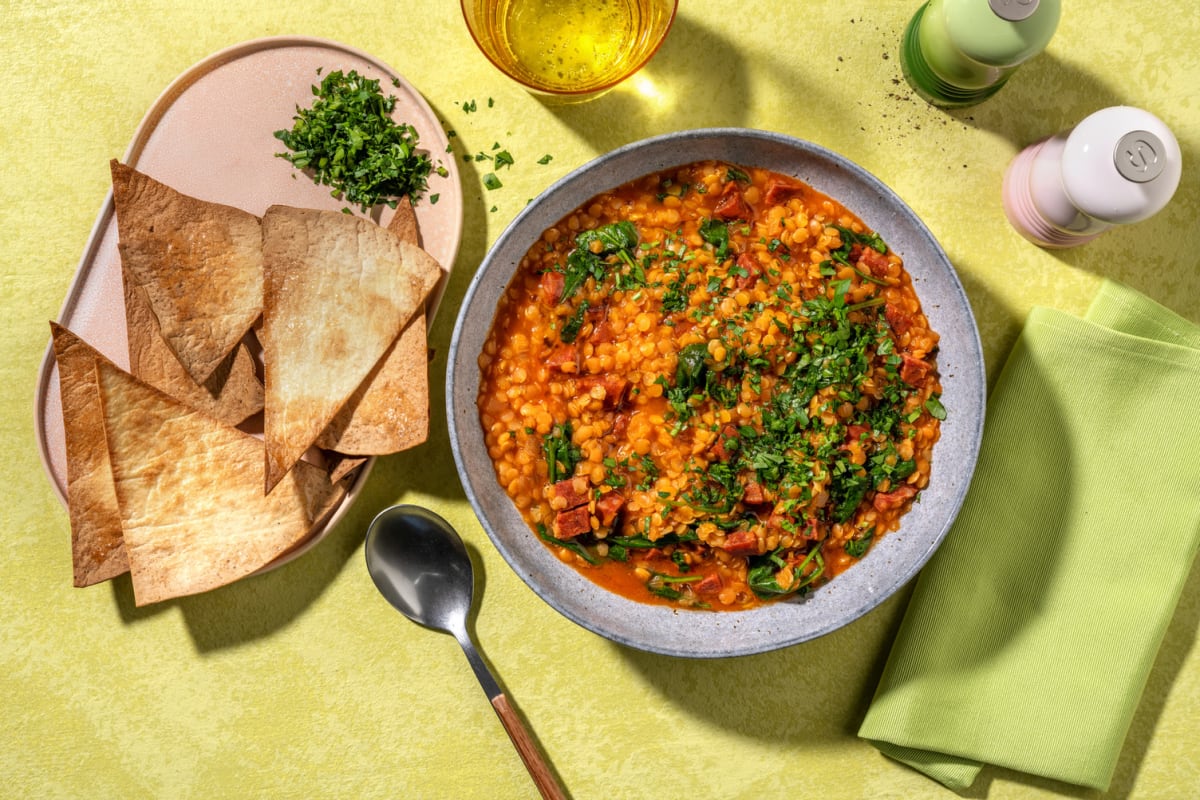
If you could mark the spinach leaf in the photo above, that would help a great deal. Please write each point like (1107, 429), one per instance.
(716, 233)
(644, 543)
(692, 367)
(857, 548)
(761, 576)
(617, 238)
(571, 329)
(613, 237)
(662, 584)
(850, 238)
(570, 544)
(847, 488)
(561, 453)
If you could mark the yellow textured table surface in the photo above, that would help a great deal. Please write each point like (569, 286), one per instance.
(303, 682)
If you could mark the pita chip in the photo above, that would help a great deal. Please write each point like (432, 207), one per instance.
(232, 392)
(97, 549)
(390, 410)
(189, 489)
(338, 291)
(340, 466)
(199, 263)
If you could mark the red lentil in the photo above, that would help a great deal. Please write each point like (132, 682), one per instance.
(711, 387)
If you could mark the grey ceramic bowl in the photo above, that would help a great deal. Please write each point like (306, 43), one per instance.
(894, 559)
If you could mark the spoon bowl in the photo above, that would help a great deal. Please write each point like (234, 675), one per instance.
(421, 566)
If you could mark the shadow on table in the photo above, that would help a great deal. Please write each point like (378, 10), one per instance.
(653, 101)
(802, 696)
(697, 79)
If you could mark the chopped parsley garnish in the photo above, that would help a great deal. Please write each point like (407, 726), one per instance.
(935, 408)
(348, 141)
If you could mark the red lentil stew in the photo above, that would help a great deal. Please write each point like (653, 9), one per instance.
(711, 387)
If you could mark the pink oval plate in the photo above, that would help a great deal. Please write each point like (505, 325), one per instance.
(210, 134)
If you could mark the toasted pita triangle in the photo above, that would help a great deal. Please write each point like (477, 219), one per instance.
(200, 264)
(390, 410)
(340, 466)
(404, 222)
(338, 291)
(97, 549)
(232, 392)
(190, 493)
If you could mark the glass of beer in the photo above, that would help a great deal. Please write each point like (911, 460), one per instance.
(569, 49)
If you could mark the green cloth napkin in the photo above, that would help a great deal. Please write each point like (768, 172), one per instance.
(1031, 632)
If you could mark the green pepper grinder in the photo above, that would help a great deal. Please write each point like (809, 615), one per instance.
(960, 52)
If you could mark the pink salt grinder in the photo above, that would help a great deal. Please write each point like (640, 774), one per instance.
(1117, 166)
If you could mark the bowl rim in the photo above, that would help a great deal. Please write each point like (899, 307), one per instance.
(725, 633)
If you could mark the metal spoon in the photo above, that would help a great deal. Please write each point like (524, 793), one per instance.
(420, 565)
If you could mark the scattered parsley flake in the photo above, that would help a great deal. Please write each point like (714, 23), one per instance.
(935, 408)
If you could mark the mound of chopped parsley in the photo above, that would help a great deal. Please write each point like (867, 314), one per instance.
(348, 140)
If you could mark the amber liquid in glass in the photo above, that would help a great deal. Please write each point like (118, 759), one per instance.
(572, 46)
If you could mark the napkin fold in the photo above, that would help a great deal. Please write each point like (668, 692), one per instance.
(1031, 632)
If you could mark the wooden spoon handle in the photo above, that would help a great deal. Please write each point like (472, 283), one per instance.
(543, 777)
